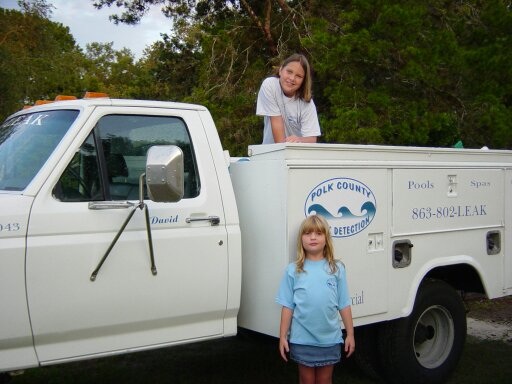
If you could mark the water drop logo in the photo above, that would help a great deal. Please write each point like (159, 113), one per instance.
(348, 205)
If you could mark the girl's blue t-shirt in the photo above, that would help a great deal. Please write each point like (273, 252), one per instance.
(316, 296)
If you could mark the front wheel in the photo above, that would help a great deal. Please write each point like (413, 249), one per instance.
(426, 346)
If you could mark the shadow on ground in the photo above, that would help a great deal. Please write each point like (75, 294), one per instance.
(247, 358)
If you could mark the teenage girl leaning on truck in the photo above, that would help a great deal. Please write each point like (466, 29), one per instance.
(284, 100)
(312, 292)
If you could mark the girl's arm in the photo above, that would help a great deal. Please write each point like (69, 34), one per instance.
(278, 131)
(277, 124)
(286, 320)
(346, 317)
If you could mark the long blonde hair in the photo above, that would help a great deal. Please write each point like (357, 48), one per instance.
(315, 223)
(305, 90)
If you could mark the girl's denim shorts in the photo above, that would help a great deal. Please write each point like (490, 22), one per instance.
(311, 356)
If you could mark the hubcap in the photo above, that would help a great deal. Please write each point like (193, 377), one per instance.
(433, 336)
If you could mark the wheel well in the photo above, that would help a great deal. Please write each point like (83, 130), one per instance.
(462, 277)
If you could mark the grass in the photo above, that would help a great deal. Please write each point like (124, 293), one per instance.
(248, 359)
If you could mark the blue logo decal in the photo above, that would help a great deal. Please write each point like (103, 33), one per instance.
(348, 205)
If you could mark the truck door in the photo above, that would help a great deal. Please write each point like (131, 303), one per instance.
(16, 347)
(126, 307)
(508, 225)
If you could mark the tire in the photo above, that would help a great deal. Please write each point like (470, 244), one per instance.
(366, 355)
(426, 346)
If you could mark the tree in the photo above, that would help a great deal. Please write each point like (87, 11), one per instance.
(110, 71)
(226, 48)
(402, 72)
(485, 30)
(38, 59)
(392, 72)
(36, 7)
(384, 68)
(169, 69)
(267, 17)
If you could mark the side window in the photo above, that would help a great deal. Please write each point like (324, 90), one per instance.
(124, 141)
(81, 179)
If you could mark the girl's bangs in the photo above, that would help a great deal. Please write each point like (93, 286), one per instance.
(313, 224)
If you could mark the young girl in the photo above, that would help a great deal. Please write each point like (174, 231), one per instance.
(286, 104)
(312, 292)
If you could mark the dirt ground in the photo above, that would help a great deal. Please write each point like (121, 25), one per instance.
(490, 319)
(495, 310)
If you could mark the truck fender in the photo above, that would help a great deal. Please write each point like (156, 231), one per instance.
(434, 264)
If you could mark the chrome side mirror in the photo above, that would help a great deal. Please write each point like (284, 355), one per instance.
(165, 173)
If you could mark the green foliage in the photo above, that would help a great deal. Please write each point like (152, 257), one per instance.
(399, 72)
(110, 71)
(38, 59)
(410, 73)
(169, 69)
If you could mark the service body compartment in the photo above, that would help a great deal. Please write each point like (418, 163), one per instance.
(443, 207)
(275, 191)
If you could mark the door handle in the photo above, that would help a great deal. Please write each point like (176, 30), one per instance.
(99, 205)
(214, 220)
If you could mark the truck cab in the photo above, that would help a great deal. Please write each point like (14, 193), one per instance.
(69, 179)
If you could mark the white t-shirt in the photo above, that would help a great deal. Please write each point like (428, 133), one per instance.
(300, 117)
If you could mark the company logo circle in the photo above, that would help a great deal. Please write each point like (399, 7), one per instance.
(348, 205)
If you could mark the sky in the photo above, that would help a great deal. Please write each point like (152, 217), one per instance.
(88, 25)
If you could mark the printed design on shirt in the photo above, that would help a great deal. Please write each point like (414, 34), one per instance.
(348, 205)
(332, 283)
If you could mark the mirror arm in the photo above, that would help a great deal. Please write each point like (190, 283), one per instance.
(150, 241)
(95, 272)
(142, 181)
(141, 206)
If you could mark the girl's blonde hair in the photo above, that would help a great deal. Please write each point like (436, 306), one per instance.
(315, 223)
(304, 92)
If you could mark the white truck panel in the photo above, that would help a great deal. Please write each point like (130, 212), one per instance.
(507, 267)
(425, 196)
(16, 345)
(412, 225)
(435, 200)
(341, 195)
(273, 197)
(265, 241)
(127, 308)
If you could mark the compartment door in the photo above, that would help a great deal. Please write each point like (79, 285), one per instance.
(356, 204)
(508, 232)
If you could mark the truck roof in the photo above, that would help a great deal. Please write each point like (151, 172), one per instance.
(107, 101)
(361, 155)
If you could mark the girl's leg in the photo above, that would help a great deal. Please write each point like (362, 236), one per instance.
(323, 375)
(306, 374)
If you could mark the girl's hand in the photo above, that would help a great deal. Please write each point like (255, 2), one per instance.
(283, 348)
(293, 139)
(297, 139)
(350, 345)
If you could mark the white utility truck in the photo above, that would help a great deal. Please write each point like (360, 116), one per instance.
(124, 226)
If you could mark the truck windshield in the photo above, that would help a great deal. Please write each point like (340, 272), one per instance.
(26, 142)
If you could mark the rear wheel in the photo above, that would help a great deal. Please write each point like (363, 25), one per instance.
(366, 355)
(426, 346)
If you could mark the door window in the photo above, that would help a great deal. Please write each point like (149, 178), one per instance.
(109, 163)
